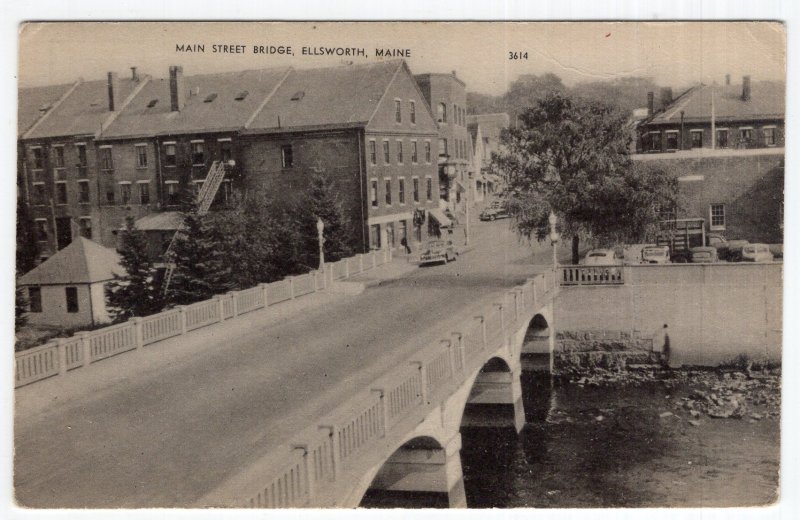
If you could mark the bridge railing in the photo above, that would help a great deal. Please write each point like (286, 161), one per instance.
(591, 275)
(63, 354)
(363, 423)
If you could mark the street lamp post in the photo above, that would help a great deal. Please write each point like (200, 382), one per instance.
(321, 238)
(554, 238)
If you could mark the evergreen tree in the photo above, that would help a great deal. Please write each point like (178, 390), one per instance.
(321, 201)
(20, 309)
(27, 242)
(136, 292)
(202, 268)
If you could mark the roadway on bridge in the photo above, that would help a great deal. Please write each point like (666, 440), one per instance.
(166, 435)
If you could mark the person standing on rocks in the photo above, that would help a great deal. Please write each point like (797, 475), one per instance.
(661, 340)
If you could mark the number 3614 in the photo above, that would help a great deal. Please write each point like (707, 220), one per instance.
(517, 55)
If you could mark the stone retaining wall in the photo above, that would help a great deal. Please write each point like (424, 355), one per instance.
(602, 348)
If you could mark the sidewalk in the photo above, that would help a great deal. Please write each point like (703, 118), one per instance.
(400, 265)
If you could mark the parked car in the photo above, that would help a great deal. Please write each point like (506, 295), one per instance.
(704, 255)
(733, 251)
(757, 253)
(602, 257)
(494, 213)
(437, 251)
(655, 255)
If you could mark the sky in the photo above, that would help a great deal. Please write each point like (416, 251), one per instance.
(672, 53)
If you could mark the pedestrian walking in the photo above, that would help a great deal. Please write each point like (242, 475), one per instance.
(404, 243)
(661, 342)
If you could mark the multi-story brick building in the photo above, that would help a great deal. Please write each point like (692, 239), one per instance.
(106, 150)
(370, 129)
(447, 96)
(61, 170)
(726, 150)
(746, 116)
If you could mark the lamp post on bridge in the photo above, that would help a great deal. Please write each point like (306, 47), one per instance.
(321, 238)
(554, 238)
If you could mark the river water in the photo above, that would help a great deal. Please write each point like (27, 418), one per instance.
(617, 447)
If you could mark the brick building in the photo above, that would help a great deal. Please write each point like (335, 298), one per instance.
(94, 153)
(746, 116)
(447, 96)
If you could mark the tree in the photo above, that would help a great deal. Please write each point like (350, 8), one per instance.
(202, 268)
(321, 201)
(626, 94)
(27, 241)
(570, 156)
(136, 292)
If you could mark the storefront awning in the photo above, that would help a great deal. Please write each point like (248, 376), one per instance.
(440, 217)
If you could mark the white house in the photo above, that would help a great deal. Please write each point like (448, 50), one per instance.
(68, 289)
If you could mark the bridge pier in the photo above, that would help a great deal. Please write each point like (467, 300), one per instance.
(495, 400)
(420, 474)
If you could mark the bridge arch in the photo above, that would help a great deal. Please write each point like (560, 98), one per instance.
(422, 473)
(495, 396)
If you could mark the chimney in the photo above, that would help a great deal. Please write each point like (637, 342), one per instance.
(454, 74)
(113, 83)
(177, 92)
(727, 79)
(745, 88)
(666, 96)
(650, 103)
(134, 75)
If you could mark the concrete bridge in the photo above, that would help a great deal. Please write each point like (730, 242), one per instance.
(398, 438)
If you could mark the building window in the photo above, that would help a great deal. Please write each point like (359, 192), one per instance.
(442, 147)
(83, 192)
(38, 158)
(398, 111)
(39, 194)
(225, 150)
(144, 193)
(35, 299)
(672, 140)
(172, 193)
(125, 193)
(106, 160)
(110, 196)
(414, 156)
(61, 193)
(455, 114)
(390, 235)
(441, 113)
(141, 156)
(415, 189)
(722, 138)
(81, 155)
(287, 159)
(697, 138)
(85, 227)
(717, 216)
(402, 231)
(373, 152)
(388, 187)
(375, 236)
(428, 152)
(399, 152)
(170, 154)
(72, 299)
(413, 113)
(429, 189)
(386, 154)
(401, 191)
(41, 230)
(769, 135)
(373, 193)
(745, 136)
(58, 156)
(653, 142)
(198, 154)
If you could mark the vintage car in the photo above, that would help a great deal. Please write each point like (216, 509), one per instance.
(655, 255)
(601, 257)
(436, 251)
(704, 255)
(494, 213)
(757, 253)
(733, 250)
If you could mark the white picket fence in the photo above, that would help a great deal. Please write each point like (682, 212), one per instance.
(61, 355)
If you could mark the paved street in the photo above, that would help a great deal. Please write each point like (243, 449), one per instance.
(163, 434)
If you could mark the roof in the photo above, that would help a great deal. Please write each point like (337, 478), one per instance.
(83, 261)
(234, 98)
(327, 97)
(491, 124)
(83, 110)
(767, 101)
(473, 128)
(34, 102)
(164, 221)
(427, 76)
